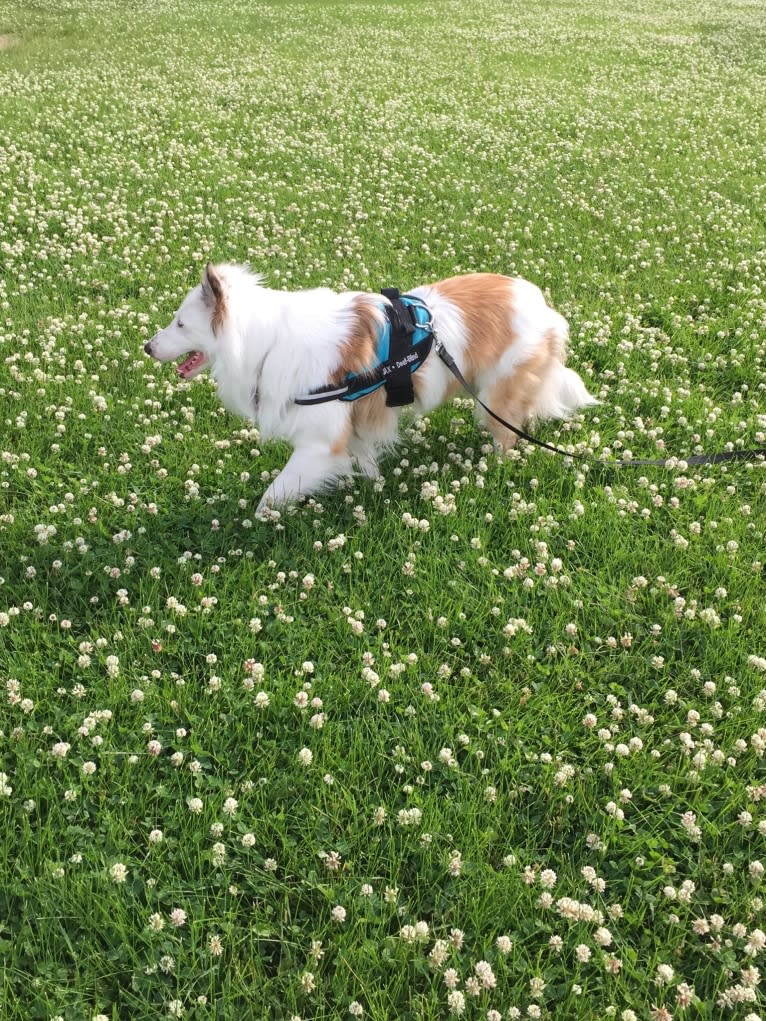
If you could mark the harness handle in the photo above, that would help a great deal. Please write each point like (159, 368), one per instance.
(398, 384)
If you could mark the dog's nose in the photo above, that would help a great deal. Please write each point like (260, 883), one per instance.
(148, 347)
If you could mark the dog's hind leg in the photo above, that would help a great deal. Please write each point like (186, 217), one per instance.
(541, 387)
(365, 455)
(513, 397)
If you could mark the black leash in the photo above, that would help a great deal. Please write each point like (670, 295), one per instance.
(725, 455)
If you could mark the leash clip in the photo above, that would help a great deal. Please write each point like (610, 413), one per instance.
(414, 302)
(428, 326)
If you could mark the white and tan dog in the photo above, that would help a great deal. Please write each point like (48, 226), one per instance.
(266, 347)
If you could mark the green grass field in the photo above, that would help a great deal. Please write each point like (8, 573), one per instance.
(484, 738)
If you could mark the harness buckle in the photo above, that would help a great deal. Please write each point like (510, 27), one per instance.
(413, 303)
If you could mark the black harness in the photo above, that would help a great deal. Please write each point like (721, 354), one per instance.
(403, 345)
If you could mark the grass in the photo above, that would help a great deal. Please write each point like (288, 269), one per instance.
(532, 693)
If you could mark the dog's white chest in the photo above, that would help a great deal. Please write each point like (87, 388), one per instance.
(237, 394)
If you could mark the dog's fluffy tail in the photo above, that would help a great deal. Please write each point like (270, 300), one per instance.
(563, 392)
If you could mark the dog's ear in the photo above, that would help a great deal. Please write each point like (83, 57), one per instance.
(212, 287)
(214, 297)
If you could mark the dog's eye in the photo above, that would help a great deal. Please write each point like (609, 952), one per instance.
(179, 324)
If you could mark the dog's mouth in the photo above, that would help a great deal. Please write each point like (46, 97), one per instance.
(193, 365)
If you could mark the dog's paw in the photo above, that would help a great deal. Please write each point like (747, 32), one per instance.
(266, 511)
(368, 468)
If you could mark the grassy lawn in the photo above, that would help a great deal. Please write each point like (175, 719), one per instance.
(484, 738)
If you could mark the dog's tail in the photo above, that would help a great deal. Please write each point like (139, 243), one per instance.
(562, 392)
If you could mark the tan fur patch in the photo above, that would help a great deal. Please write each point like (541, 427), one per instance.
(371, 414)
(357, 352)
(556, 342)
(485, 301)
(340, 444)
(515, 397)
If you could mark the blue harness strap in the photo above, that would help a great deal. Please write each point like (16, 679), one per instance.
(403, 344)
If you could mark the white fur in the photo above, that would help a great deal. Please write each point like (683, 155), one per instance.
(273, 346)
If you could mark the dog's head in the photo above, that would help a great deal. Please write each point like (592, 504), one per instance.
(195, 329)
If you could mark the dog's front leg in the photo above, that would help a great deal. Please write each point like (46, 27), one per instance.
(308, 469)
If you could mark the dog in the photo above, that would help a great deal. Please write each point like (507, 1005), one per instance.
(266, 347)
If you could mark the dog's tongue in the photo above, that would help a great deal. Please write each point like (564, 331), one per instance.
(193, 362)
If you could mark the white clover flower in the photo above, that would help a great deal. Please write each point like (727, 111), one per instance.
(451, 978)
(602, 936)
(455, 863)
(664, 975)
(755, 943)
(684, 995)
(485, 974)
(456, 1002)
(409, 816)
(439, 954)
(118, 872)
(548, 879)
(536, 987)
